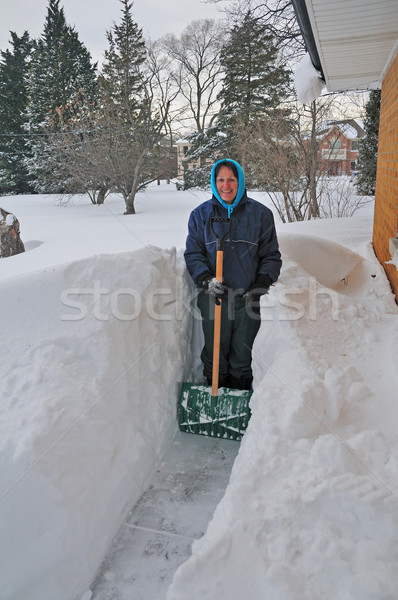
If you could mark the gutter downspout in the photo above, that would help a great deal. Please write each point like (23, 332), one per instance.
(303, 20)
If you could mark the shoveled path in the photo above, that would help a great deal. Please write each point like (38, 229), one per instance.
(174, 511)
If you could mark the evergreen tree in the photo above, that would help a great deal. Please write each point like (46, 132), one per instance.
(133, 132)
(14, 67)
(111, 144)
(61, 68)
(367, 159)
(255, 83)
(206, 148)
(122, 79)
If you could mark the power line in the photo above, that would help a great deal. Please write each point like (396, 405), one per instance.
(102, 129)
(96, 130)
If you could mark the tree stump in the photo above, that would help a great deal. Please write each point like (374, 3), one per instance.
(10, 241)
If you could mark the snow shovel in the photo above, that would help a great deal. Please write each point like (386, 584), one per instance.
(224, 412)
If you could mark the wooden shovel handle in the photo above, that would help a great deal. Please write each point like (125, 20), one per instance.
(217, 328)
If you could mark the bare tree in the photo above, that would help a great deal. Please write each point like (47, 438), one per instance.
(197, 71)
(273, 162)
(340, 197)
(160, 82)
(131, 159)
(75, 134)
(163, 91)
(283, 158)
(278, 15)
(95, 151)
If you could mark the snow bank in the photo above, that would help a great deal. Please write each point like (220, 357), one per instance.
(93, 353)
(331, 264)
(88, 404)
(311, 508)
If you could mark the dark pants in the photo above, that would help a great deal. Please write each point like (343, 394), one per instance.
(238, 331)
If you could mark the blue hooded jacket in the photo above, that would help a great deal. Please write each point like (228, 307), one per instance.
(250, 247)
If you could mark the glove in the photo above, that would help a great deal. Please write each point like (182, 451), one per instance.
(214, 288)
(255, 291)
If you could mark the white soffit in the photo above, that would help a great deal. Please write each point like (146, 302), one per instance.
(356, 40)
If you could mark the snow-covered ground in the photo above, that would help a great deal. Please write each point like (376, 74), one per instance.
(96, 336)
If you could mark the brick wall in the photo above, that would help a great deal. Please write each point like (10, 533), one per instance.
(386, 202)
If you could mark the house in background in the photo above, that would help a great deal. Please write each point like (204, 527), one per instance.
(168, 163)
(183, 146)
(354, 46)
(338, 146)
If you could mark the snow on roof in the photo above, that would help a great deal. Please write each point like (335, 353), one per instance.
(350, 128)
(185, 139)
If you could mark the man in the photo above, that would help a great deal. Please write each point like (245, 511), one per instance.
(252, 263)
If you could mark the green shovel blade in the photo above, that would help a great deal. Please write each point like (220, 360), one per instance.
(224, 416)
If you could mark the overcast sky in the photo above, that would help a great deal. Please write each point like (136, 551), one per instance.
(92, 18)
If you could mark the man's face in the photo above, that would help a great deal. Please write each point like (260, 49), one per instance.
(227, 184)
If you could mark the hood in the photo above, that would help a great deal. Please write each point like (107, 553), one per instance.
(241, 185)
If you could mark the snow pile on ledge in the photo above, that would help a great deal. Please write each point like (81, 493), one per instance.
(394, 259)
(307, 81)
(311, 508)
(95, 350)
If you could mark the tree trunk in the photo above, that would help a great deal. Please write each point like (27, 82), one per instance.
(313, 166)
(130, 209)
(101, 195)
(10, 241)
